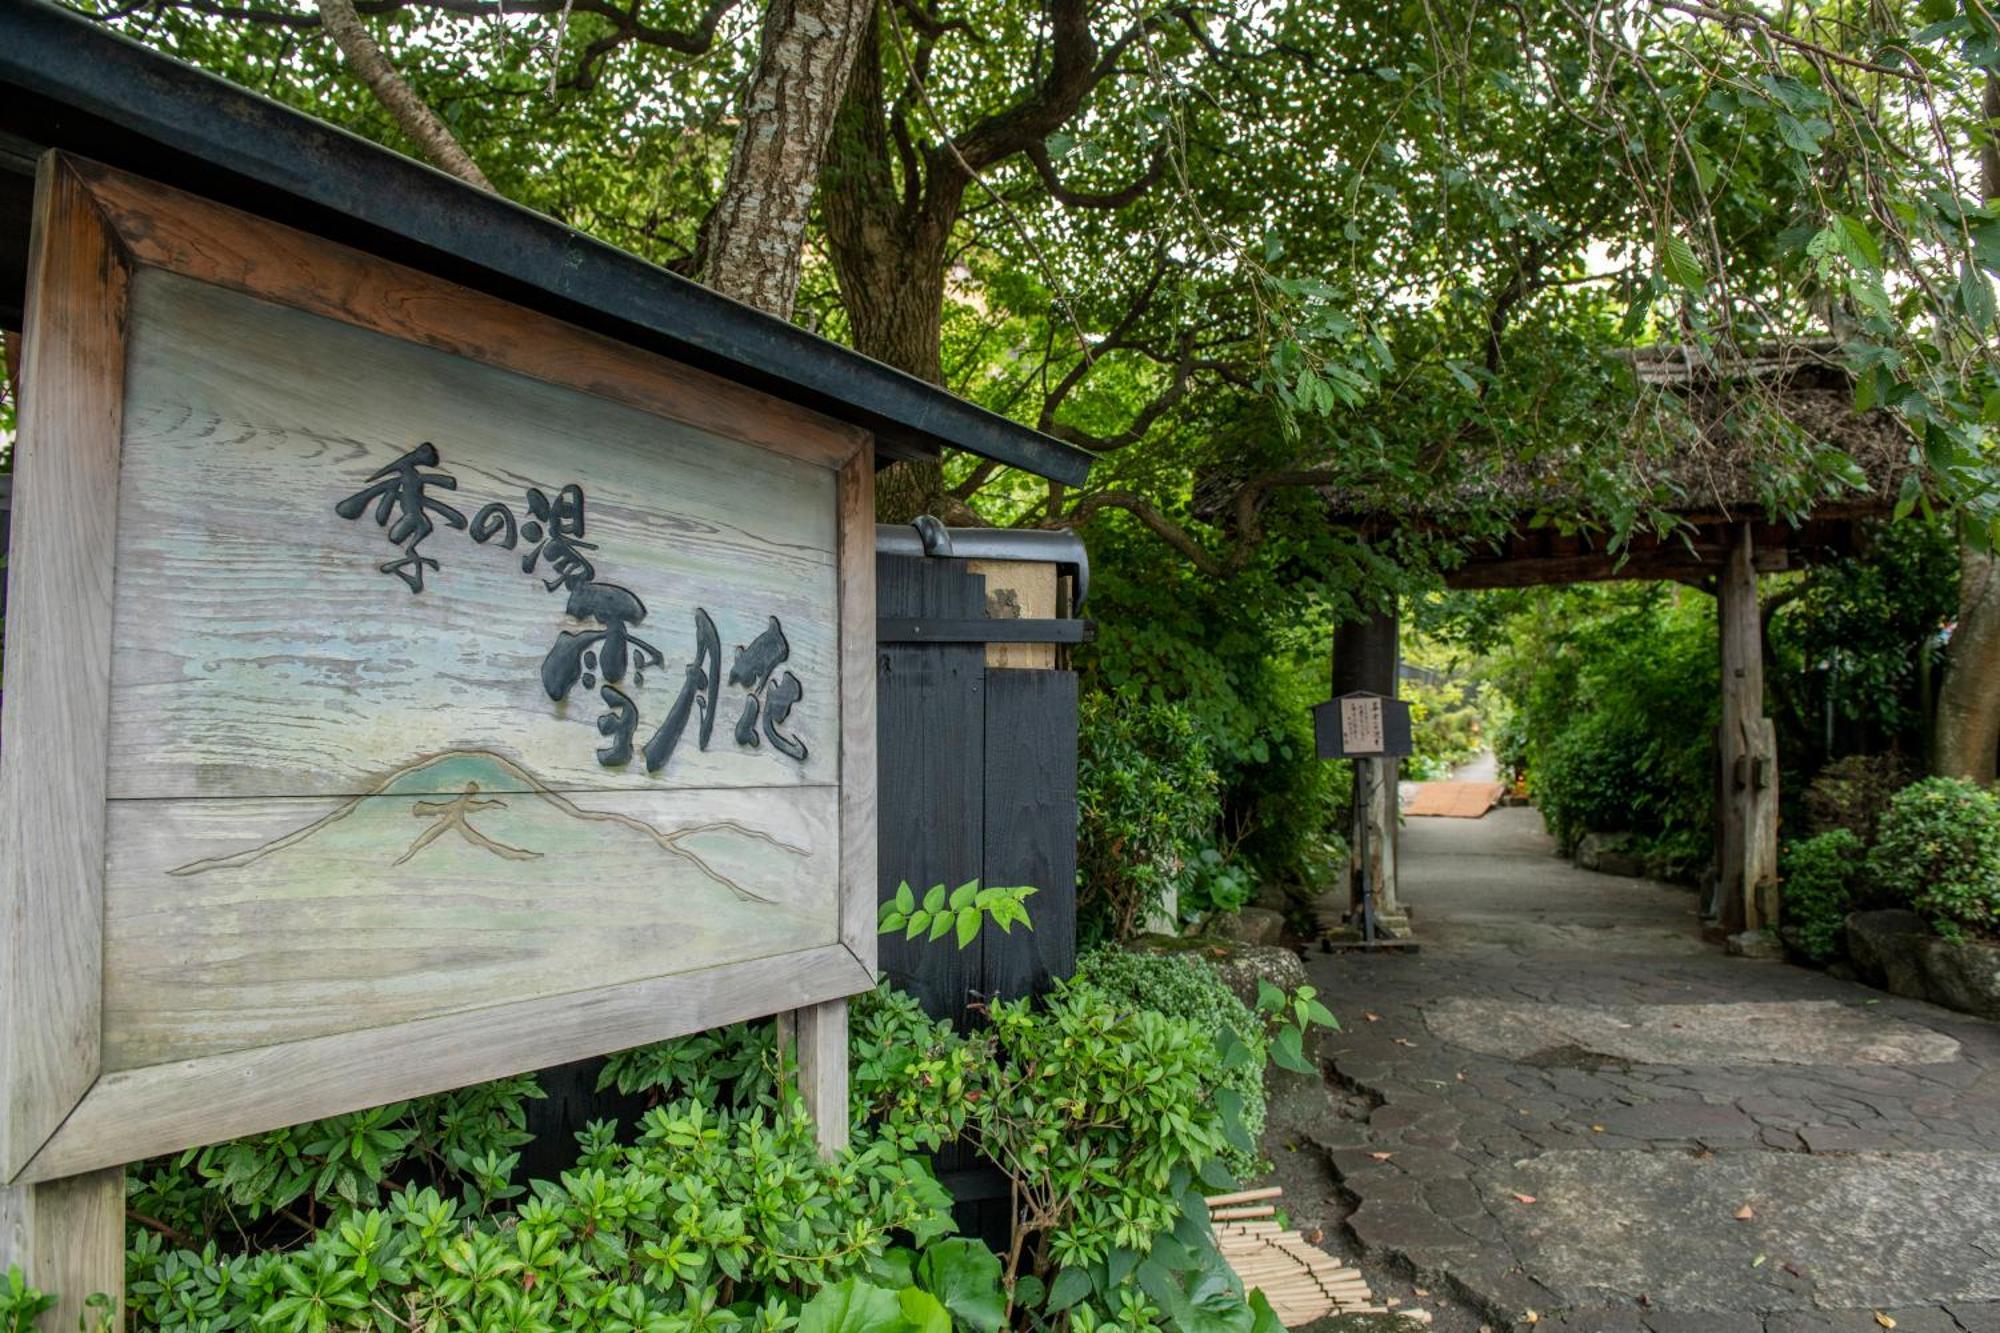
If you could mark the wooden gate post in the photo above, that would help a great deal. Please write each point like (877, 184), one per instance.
(68, 1237)
(1749, 751)
(817, 1037)
(1364, 658)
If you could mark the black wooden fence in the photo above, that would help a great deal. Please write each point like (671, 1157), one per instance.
(976, 779)
(976, 765)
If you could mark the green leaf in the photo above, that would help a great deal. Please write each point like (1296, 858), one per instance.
(922, 1312)
(892, 921)
(1975, 294)
(1857, 243)
(1906, 499)
(1802, 136)
(1263, 1319)
(1269, 998)
(853, 1306)
(968, 926)
(1071, 1285)
(1287, 1050)
(934, 900)
(1678, 262)
(941, 926)
(1230, 1102)
(918, 920)
(965, 1275)
(906, 901)
(962, 896)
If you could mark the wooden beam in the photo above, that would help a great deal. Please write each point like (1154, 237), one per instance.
(68, 1237)
(1575, 561)
(819, 1035)
(1365, 655)
(1748, 750)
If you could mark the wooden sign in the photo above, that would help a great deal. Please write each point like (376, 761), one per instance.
(403, 689)
(1362, 726)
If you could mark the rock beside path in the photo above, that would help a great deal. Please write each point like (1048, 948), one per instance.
(1898, 951)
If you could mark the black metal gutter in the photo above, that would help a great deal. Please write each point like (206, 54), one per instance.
(67, 82)
(928, 537)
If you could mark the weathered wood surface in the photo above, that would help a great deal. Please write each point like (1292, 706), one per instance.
(1018, 590)
(164, 1108)
(59, 618)
(355, 851)
(261, 652)
(165, 228)
(68, 1238)
(237, 923)
(1748, 858)
(820, 1031)
(860, 801)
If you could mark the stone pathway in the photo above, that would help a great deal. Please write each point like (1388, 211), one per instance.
(1569, 1104)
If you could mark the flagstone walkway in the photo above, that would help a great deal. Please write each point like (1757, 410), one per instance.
(1569, 1104)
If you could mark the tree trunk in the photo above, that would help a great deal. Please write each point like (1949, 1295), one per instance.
(752, 241)
(889, 241)
(1967, 736)
(1968, 704)
(412, 114)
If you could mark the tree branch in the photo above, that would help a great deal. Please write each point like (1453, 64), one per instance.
(688, 41)
(1247, 505)
(1739, 20)
(1038, 153)
(411, 113)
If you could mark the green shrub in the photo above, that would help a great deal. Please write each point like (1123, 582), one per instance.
(1939, 852)
(1188, 988)
(20, 1304)
(718, 1212)
(1615, 704)
(1854, 792)
(1818, 888)
(1147, 803)
(1446, 728)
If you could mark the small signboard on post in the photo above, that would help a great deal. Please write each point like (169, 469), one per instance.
(1368, 729)
(1362, 726)
(404, 689)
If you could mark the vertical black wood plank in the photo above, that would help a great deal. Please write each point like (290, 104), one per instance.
(930, 769)
(572, 1102)
(1031, 724)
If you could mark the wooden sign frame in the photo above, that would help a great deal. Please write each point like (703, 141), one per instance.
(61, 1115)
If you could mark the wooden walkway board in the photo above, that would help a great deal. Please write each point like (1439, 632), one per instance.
(1455, 800)
(1303, 1282)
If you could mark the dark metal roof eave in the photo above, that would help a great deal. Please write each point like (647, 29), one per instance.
(104, 95)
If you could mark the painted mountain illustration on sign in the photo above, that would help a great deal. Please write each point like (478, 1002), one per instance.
(458, 881)
(456, 790)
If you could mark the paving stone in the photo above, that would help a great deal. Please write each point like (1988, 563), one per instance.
(1818, 1321)
(1918, 1319)
(1347, 1162)
(1765, 1108)
(1596, 1319)
(1412, 1233)
(1704, 1321)
(1456, 1199)
(1977, 1317)
(1393, 1117)
(1680, 1120)
(1894, 1202)
(1835, 1139)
